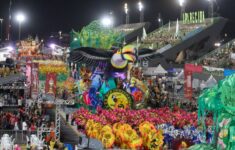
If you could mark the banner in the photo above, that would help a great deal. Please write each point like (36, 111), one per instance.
(35, 80)
(194, 17)
(188, 89)
(50, 86)
(189, 69)
(193, 68)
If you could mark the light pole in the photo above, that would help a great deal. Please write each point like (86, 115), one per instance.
(127, 13)
(182, 6)
(20, 18)
(1, 20)
(140, 6)
(211, 8)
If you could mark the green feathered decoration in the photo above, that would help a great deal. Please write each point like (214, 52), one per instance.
(97, 36)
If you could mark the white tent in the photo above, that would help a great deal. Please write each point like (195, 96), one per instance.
(211, 82)
(153, 71)
(160, 69)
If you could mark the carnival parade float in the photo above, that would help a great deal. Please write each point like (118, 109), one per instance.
(116, 103)
(114, 96)
(47, 80)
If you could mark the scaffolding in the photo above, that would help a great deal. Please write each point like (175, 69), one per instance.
(43, 129)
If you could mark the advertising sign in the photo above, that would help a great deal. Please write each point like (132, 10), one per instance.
(194, 17)
(189, 69)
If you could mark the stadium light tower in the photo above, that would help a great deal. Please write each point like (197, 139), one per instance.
(140, 6)
(20, 18)
(1, 20)
(107, 21)
(182, 6)
(127, 13)
(211, 8)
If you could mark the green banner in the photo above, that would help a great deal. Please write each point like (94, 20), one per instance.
(194, 17)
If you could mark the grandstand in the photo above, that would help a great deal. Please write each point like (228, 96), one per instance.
(223, 53)
(172, 34)
(131, 31)
(180, 42)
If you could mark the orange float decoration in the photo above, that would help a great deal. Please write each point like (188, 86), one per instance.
(28, 48)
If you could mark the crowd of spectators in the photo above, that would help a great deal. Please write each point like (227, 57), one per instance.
(10, 99)
(223, 54)
(167, 35)
(27, 118)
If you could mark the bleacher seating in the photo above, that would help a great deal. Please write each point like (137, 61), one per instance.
(167, 34)
(220, 57)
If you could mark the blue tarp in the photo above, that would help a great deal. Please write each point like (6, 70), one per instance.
(228, 72)
(171, 70)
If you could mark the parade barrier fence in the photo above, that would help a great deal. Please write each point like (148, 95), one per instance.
(19, 135)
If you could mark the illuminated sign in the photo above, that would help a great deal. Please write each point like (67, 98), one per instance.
(194, 17)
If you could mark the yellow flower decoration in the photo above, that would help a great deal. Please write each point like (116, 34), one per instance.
(154, 140)
(145, 128)
(128, 135)
(89, 123)
(108, 140)
(135, 143)
(116, 127)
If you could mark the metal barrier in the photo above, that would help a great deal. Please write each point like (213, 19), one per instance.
(19, 136)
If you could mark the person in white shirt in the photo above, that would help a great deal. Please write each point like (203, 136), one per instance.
(16, 128)
(24, 127)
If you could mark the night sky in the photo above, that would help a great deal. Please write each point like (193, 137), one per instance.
(47, 16)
